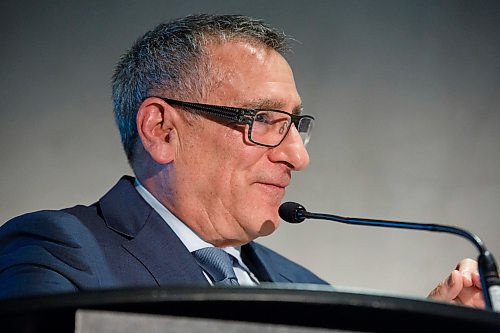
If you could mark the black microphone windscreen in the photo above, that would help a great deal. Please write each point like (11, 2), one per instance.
(288, 212)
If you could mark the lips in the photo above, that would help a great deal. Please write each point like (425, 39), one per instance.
(275, 189)
(273, 185)
(281, 183)
(277, 185)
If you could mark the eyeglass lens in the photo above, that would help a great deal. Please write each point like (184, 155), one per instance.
(304, 128)
(270, 127)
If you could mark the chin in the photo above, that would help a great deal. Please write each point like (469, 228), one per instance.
(261, 221)
(268, 227)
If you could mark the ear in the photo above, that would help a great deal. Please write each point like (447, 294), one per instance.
(156, 129)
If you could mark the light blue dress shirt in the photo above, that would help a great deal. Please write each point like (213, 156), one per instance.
(192, 241)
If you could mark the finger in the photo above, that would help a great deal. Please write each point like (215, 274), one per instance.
(467, 279)
(467, 263)
(467, 267)
(449, 288)
(476, 279)
(472, 297)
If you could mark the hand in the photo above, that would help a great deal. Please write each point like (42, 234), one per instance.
(462, 286)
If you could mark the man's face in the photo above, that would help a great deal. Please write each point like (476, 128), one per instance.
(228, 189)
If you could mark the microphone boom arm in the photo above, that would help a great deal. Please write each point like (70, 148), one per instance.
(488, 271)
(478, 243)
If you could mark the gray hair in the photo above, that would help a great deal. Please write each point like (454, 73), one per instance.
(171, 58)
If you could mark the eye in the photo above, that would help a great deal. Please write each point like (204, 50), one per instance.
(262, 117)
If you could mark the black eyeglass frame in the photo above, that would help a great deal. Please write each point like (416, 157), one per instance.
(238, 115)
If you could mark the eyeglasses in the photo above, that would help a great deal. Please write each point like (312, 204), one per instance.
(266, 127)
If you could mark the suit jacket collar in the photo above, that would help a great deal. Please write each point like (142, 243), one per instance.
(123, 209)
(147, 237)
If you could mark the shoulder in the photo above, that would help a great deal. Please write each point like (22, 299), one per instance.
(51, 220)
(47, 250)
(45, 227)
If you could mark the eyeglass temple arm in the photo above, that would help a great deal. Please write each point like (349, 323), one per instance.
(235, 114)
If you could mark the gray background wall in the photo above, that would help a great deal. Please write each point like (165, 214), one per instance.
(407, 95)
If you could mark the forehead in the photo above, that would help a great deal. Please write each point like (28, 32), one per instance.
(250, 75)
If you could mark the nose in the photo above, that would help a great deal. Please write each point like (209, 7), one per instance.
(291, 151)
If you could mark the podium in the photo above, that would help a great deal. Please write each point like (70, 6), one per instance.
(254, 309)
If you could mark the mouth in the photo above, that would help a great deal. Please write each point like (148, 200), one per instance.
(272, 185)
(281, 182)
(275, 184)
(275, 190)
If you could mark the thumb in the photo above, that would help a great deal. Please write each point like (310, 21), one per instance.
(449, 288)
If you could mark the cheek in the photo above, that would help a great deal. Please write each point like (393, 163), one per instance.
(244, 167)
(235, 168)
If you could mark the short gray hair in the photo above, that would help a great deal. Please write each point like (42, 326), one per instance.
(170, 58)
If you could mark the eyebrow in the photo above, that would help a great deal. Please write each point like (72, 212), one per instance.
(266, 103)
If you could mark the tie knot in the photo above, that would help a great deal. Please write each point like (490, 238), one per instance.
(218, 264)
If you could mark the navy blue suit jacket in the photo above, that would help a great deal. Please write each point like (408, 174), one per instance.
(118, 242)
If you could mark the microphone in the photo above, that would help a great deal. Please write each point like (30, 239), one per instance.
(293, 212)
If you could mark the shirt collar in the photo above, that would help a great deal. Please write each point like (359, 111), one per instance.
(188, 237)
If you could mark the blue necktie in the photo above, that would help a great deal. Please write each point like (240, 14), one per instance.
(218, 264)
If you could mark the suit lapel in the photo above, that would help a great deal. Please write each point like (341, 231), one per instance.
(162, 253)
(147, 237)
(263, 266)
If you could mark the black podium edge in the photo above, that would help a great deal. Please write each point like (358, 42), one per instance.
(315, 307)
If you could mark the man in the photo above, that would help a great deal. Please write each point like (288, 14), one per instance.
(210, 120)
